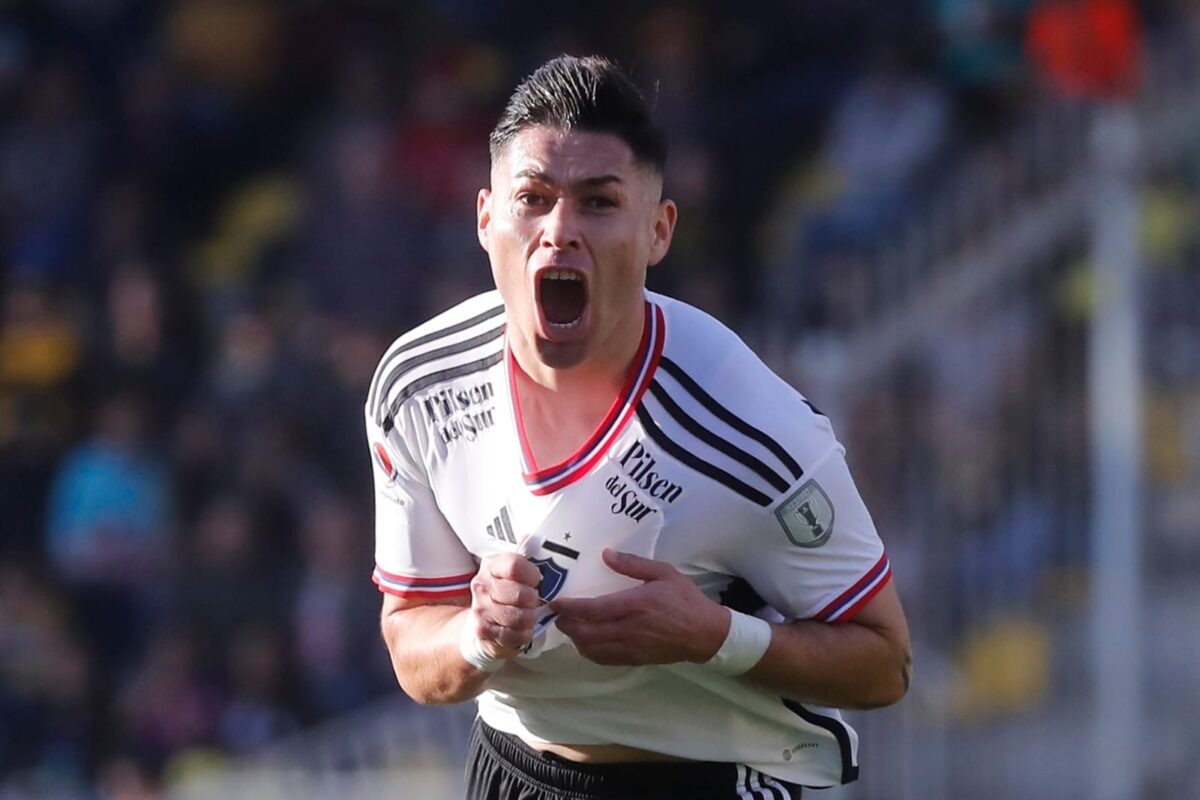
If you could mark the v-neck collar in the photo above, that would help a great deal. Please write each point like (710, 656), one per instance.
(637, 380)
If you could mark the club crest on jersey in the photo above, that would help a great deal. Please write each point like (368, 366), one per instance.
(807, 516)
(554, 575)
(380, 454)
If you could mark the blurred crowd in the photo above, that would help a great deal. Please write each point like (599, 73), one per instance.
(215, 215)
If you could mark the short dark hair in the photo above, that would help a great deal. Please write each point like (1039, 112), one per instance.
(589, 93)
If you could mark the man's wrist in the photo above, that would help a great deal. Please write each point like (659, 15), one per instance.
(471, 649)
(744, 646)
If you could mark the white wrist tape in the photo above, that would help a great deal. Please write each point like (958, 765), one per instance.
(472, 649)
(747, 641)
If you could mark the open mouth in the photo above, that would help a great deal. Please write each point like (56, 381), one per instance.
(562, 295)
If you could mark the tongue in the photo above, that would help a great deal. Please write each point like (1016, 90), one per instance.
(562, 301)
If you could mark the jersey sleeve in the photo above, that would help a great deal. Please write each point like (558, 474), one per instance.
(417, 554)
(816, 553)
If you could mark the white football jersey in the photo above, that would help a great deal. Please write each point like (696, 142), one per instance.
(707, 460)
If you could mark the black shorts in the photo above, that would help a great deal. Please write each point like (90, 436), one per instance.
(502, 767)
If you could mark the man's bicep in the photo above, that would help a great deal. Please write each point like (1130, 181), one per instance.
(397, 611)
(884, 614)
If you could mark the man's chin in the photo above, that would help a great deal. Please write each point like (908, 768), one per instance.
(561, 355)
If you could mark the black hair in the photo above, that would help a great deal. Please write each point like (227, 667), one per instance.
(589, 93)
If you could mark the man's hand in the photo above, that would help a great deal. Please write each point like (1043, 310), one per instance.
(503, 599)
(665, 620)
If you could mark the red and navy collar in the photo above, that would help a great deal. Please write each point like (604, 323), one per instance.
(581, 462)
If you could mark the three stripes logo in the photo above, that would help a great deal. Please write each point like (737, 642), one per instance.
(501, 528)
(554, 574)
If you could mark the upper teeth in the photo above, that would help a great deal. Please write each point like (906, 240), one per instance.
(561, 275)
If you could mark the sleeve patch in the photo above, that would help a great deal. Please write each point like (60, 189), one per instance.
(383, 460)
(807, 516)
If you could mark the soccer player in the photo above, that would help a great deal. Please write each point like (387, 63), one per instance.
(601, 516)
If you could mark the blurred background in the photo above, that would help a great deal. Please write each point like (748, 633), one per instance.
(966, 229)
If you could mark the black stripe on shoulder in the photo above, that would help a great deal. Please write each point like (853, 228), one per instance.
(716, 442)
(441, 377)
(373, 395)
(725, 415)
(409, 364)
(703, 467)
(837, 728)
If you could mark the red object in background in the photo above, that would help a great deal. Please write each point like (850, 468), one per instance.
(1086, 48)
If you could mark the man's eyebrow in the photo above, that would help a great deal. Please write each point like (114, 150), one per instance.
(588, 183)
(600, 180)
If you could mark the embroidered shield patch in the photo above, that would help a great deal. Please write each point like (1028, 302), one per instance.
(553, 577)
(807, 516)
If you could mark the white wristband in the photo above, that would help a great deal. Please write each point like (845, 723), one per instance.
(744, 646)
(472, 649)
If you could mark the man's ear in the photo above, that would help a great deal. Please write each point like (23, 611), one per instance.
(483, 216)
(664, 230)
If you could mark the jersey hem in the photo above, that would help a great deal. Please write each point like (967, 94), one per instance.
(422, 595)
(851, 601)
(422, 587)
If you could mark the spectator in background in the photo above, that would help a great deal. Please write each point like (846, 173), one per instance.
(434, 158)
(670, 43)
(109, 508)
(123, 777)
(223, 578)
(362, 246)
(133, 347)
(44, 680)
(881, 144)
(39, 359)
(261, 690)
(110, 523)
(46, 162)
(245, 373)
(363, 243)
(981, 60)
(168, 704)
(330, 640)
(883, 137)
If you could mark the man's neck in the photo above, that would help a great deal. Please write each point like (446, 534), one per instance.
(561, 408)
(603, 370)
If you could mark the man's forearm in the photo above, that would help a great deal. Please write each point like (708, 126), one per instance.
(423, 643)
(845, 666)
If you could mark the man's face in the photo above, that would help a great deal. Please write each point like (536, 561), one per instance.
(570, 225)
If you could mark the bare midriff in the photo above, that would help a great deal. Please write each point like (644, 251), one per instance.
(601, 753)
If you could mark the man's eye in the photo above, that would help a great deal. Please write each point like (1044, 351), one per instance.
(530, 199)
(600, 202)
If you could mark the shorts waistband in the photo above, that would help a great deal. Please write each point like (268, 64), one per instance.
(632, 779)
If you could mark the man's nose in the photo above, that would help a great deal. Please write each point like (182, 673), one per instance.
(560, 227)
